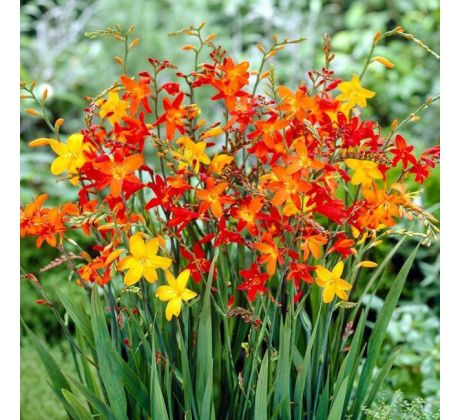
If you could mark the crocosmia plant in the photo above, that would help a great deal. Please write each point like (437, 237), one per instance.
(232, 224)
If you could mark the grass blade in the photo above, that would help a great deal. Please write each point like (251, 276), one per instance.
(378, 333)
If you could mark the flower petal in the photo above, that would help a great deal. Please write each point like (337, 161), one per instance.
(126, 263)
(134, 274)
(337, 270)
(182, 280)
(323, 273)
(59, 165)
(160, 262)
(151, 247)
(173, 308)
(188, 294)
(137, 246)
(328, 294)
(150, 274)
(166, 293)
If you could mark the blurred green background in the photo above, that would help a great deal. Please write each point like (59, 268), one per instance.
(55, 53)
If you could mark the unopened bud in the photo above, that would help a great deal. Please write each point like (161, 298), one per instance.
(58, 123)
(188, 47)
(261, 48)
(213, 132)
(382, 60)
(264, 75)
(42, 141)
(119, 60)
(45, 95)
(367, 264)
(134, 42)
(33, 112)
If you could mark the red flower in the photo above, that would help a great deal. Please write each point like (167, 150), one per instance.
(402, 152)
(254, 281)
(300, 272)
(343, 245)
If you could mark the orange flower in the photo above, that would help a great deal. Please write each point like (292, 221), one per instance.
(379, 208)
(120, 169)
(47, 224)
(247, 214)
(173, 116)
(29, 213)
(235, 77)
(301, 161)
(137, 92)
(269, 131)
(312, 243)
(270, 252)
(296, 105)
(287, 186)
(212, 197)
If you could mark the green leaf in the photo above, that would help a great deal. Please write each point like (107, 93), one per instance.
(101, 407)
(80, 410)
(111, 374)
(204, 357)
(261, 402)
(337, 408)
(380, 378)
(283, 369)
(158, 406)
(58, 380)
(82, 322)
(302, 375)
(378, 333)
(206, 406)
(375, 275)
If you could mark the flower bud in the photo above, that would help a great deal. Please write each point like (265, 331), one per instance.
(188, 47)
(58, 123)
(367, 264)
(39, 142)
(382, 60)
(33, 112)
(134, 42)
(210, 38)
(119, 60)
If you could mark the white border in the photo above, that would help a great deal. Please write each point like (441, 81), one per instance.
(450, 210)
(9, 176)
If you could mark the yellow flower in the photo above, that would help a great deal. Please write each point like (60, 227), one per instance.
(219, 162)
(193, 153)
(353, 94)
(70, 155)
(175, 293)
(331, 282)
(143, 260)
(365, 171)
(113, 107)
